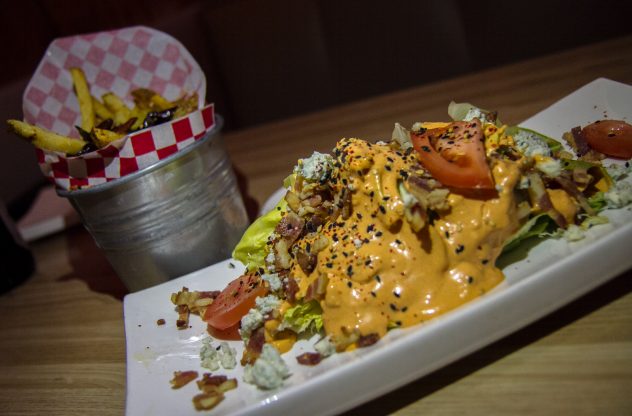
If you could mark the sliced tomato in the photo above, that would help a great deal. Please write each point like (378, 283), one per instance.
(234, 302)
(230, 333)
(455, 155)
(610, 137)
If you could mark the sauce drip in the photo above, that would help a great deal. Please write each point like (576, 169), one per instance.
(381, 274)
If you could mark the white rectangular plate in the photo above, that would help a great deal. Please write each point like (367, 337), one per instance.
(550, 275)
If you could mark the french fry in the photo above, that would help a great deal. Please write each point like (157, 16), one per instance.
(83, 96)
(185, 105)
(100, 110)
(103, 122)
(148, 99)
(103, 137)
(121, 113)
(139, 113)
(160, 103)
(46, 139)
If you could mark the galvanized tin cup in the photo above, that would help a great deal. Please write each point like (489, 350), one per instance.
(169, 219)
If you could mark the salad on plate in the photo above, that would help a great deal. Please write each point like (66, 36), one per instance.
(385, 235)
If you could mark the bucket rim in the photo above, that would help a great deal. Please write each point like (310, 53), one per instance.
(217, 127)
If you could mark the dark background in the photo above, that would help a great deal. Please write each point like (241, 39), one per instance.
(271, 59)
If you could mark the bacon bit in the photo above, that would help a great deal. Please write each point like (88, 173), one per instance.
(581, 144)
(316, 290)
(183, 316)
(182, 378)
(218, 383)
(210, 380)
(160, 321)
(346, 204)
(191, 302)
(254, 347)
(366, 340)
(290, 227)
(307, 261)
(309, 358)
(539, 197)
(207, 401)
(313, 223)
(291, 289)
(572, 189)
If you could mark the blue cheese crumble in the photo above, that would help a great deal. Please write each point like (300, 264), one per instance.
(269, 371)
(550, 167)
(482, 115)
(325, 347)
(317, 167)
(213, 357)
(619, 195)
(530, 145)
(273, 280)
(255, 316)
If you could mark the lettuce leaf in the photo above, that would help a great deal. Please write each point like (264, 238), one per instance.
(251, 249)
(304, 317)
(539, 226)
(467, 111)
(553, 145)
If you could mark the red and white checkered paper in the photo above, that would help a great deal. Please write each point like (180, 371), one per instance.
(116, 61)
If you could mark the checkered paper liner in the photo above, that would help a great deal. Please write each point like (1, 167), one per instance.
(117, 61)
(128, 155)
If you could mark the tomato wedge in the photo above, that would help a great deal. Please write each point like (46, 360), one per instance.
(231, 333)
(455, 155)
(610, 137)
(234, 302)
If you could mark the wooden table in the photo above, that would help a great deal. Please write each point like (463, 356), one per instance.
(62, 344)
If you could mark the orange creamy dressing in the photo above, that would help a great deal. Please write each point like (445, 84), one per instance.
(381, 274)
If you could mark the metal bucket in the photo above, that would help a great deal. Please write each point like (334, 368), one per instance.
(169, 219)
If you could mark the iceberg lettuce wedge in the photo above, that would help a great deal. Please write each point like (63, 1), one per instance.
(251, 249)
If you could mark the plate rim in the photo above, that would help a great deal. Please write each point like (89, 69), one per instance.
(286, 399)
